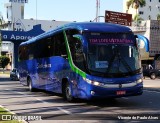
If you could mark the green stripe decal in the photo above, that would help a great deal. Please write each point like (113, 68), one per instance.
(73, 67)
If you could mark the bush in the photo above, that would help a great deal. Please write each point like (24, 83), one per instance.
(4, 60)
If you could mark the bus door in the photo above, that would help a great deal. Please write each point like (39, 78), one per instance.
(78, 58)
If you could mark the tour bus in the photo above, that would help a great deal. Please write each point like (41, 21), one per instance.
(83, 60)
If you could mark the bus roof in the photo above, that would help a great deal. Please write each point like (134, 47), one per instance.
(98, 27)
(84, 26)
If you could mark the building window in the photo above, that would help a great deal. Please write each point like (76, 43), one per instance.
(141, 12)
(150, 8)
(149, 17)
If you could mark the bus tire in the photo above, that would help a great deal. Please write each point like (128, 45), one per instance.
(67, 92)
(30, 85)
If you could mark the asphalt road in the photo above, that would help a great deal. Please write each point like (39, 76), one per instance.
(52, 108)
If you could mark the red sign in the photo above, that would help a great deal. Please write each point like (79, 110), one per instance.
(118, 18)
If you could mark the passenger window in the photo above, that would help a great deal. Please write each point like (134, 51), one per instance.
(60, 47)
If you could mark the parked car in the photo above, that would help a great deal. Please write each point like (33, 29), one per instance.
(152, 73)
(14, 74)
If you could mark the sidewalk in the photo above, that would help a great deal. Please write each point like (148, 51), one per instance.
(5, 74)
(153, 85)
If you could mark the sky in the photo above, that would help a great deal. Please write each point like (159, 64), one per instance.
(66, 10)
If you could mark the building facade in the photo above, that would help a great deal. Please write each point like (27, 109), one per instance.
(151, 30)
(149, 12)
(149, 26)
(16, 22)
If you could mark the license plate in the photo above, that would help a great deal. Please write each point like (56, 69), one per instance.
(121, 92)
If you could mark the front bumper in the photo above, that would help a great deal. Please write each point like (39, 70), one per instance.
(95, 92)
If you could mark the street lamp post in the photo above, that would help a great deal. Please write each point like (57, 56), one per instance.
(97, 18)
(36, 12)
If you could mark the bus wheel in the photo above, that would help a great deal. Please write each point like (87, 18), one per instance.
(67, 93)
(30, 85)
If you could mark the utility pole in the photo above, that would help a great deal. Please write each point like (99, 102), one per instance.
(97, 10)
(36, 12)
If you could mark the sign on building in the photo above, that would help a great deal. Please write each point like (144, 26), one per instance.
(118, 18)
(7, 35)
(19, 1)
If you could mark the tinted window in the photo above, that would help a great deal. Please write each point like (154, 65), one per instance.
(45, 47)
(76, 49)
(60, 47)
(23, 53)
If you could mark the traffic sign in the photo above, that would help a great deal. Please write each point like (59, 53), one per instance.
(118, 18)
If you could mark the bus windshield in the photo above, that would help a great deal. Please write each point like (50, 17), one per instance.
(112, 55)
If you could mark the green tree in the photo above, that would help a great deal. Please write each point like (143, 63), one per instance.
(2, 25)
(4, 60)
(1, 19)
(137, 19)
(135, 4)
(158, 17)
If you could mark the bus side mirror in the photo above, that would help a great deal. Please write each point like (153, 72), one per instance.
(78, 47)
(137, 41)
(142, 42)
(78, 44)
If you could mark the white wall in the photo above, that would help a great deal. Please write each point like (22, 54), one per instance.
(14, 11)
(46, 25)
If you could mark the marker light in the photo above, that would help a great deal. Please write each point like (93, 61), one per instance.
(139, 81)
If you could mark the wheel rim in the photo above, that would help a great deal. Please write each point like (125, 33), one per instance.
(30, 85)
(153, 76)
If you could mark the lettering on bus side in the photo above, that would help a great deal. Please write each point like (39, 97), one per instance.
(39, 66)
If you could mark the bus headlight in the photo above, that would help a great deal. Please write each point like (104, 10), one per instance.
(93, 82)
(139, 81)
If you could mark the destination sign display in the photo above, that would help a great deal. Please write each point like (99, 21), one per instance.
(118, 18)
(111, 38)
(110, 41)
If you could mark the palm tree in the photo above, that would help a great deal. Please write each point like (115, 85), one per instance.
(1, 22)
(136, 4)
(137, 19)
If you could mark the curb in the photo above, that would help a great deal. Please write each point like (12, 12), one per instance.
(151, 89)
(4, 74)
